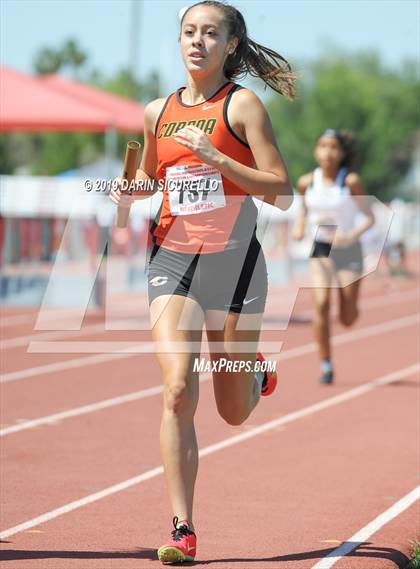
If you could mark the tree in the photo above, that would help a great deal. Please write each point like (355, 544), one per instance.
(72, 56)
(69, 55)
(355, 93)
(125, 85)
(47, 61)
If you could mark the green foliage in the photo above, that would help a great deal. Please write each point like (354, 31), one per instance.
(354, 93)
(6, 162)
(125, 85)
(60, 151)
(47, 61)
(50, 60)
(415, 561)
(72, 55)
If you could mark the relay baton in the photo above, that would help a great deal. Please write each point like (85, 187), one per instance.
(132, 153)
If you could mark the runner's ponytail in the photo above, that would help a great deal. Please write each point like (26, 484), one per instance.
(250, 57)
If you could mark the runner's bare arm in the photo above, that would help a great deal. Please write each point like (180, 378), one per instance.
(300, 224)
(249, 118)
(270, 180)
(147, 168)
(354, 183)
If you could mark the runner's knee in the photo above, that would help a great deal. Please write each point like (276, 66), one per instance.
(178, 397)
(348, 317)
(322, 309)
(230, 352)
(233, 414)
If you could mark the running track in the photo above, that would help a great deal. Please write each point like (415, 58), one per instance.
(319, 476)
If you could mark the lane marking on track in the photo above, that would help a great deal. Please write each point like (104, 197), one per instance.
(134, 323)
(249, 434)
(365, 533)
(144, 347)
(358, 334)
(77, 411)
(57, 315)
(54, 315)
(374, 301)
(62, 366)
(148, 392)
(266, 346)
(126, 324)
(287, 354)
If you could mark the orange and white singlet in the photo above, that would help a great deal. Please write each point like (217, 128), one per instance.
(202, 211)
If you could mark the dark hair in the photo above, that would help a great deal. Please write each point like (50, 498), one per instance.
(347, 141)
(250, 57)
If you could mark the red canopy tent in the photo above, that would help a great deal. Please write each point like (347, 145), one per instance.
(127, 116)
(53, 103)
(35, 104)
(26, 104)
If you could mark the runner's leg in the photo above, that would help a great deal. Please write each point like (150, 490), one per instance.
(237, 393)
(177, 434)
(320, 272)
(349, 290)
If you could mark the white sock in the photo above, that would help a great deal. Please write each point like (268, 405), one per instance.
(185, 523)
(259, 378)
(326, 366)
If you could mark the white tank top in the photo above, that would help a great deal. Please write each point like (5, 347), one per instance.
(330, 208)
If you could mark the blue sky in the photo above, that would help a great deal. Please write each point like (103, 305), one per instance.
(298, 29)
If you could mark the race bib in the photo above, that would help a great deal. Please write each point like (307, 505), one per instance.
(194, 189)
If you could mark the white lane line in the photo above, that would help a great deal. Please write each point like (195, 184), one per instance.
(25, 318)
(265, 346)
(57, 315)
(125, 324)
(90, 408)
(118, 347)
(16, 319)
(365, 533)
(149, 392)
(140, 322)
(62, 366)
(340, 339)
(374, 302)
(76, 411)
(143, 323)
(290, 417)
(293, 352)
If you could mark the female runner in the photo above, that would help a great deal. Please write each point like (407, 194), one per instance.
(332, 196)
(213, 146)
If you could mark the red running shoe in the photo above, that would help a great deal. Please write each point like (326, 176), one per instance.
(269, 383)
(181, 547)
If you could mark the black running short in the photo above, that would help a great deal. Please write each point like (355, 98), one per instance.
(234, 280)
(344, 258)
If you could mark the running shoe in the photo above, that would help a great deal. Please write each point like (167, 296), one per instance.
(181, 546)
(327, 377)
(270, 379)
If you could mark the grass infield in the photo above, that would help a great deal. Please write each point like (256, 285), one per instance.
(415, 561)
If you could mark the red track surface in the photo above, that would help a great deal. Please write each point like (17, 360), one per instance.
(285, 497)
